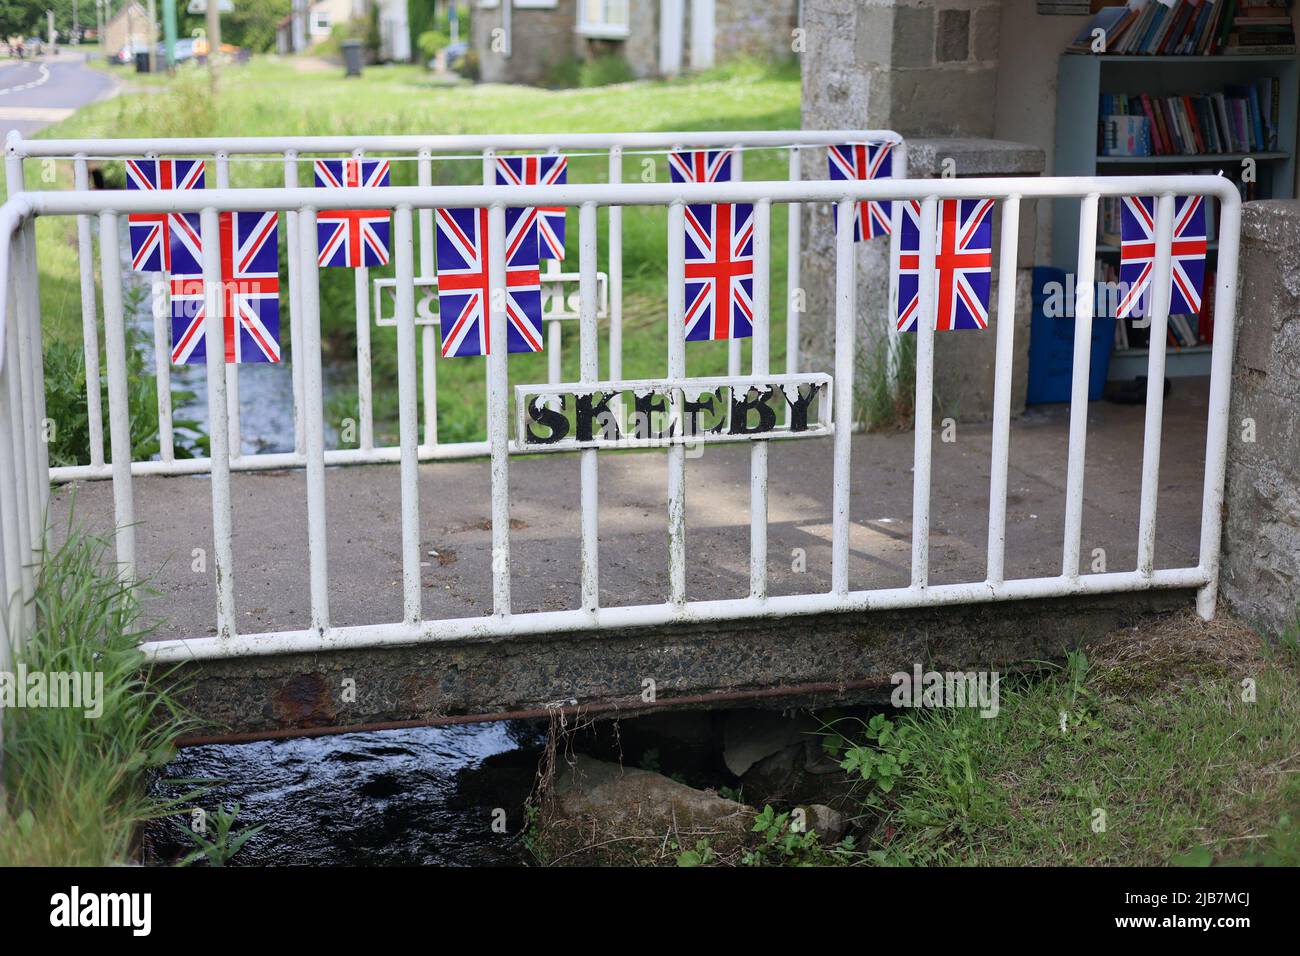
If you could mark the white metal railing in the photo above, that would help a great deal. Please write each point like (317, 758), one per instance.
(425, 152)
(22, 501)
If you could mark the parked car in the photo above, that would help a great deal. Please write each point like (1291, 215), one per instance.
(184, 51)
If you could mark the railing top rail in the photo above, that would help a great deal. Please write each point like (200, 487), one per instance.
(16, 145)
(619, 194)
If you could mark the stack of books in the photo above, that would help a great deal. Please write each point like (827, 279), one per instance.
(1241, 118)
(1260, 27)
(1191, 28)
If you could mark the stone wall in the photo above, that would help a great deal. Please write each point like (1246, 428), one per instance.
(757, 28)
(917, 66)
(1260, 573)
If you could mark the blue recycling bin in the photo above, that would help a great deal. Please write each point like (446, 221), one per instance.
(1051, 344)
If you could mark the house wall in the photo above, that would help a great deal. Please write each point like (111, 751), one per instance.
(540, 39)
(130, 24)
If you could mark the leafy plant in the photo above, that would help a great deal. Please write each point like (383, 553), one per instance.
(779, 844)
(226, 841)
(702, 855)
(67, 408)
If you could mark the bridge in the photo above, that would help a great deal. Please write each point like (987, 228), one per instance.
(660, 558)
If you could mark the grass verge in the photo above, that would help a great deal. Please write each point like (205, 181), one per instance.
(75, 785)
(1175, 743)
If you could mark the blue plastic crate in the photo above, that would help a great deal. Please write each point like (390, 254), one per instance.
(1051, 347)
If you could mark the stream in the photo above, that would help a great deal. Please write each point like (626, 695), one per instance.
(400, 797)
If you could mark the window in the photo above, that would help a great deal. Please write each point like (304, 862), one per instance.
(534, 4)
(603, 18)
(320, 22)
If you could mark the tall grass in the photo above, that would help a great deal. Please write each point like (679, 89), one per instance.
(76, 785)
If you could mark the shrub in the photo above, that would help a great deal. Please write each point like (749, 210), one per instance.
(604, 71)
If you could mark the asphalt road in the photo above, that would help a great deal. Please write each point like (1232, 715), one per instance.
(39, 91)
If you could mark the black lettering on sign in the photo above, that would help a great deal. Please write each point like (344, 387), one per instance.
(649, 404)
(590, 411)
(804, 395)
(691, 409)
(752, 401)
(555, 421)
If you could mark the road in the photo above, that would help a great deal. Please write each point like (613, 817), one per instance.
(37, 92)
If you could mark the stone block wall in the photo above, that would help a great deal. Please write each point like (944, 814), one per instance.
(757, 28)
(917, 66)
(1260, 572)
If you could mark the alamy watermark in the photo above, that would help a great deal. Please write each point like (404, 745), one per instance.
(73, 690)
(933, 689)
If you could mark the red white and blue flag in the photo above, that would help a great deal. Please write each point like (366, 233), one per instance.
(352, 238)
(151, 232)
(250, 293)
(700, 166)
(539, 171)
(865, 161)
(464, 291)
(1137, 257)
(719, 271)
(963, 265)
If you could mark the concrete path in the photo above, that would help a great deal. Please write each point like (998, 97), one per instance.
(364, 528)
(39, 91)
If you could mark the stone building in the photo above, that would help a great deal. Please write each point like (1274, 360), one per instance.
(524, 41)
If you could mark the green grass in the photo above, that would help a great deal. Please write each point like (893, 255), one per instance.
(76, 785)
(272, 97)
(1157, 738)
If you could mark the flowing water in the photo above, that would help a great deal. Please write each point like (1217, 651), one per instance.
(423, 796)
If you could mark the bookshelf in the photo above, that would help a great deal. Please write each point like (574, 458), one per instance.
(1081, 81)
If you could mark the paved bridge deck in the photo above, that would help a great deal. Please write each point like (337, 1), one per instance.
(364, 530)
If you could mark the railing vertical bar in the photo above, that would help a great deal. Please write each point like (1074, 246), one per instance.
(489, 179)
(676, 371)
(428, 333)
(498, 410)
(293, 263)
(1006, 319)
(794, 249)
(845, 318)
(1084, 295)
(893, 337)
(162, 366)
(1158, 297)
(589, 371)
(1216, 439)
(615, 271)
(110, 270)
(922, 446)
(734, 354)
(232, 368)
(32, 361)
(408, 412)
(760, 350)
(24, 570)
(314, 422)
(365, 387)
(554, 333)
(214, 305)
(12, 546)
(89, 318)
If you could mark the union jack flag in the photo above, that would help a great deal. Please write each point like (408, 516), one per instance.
(1137, 255)
(250, 294)
(865, 161)
(352, 238)
(463, 287)
(700, 166)
(963, 264)
(151, 232)
(539, 171)
(719, 271)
